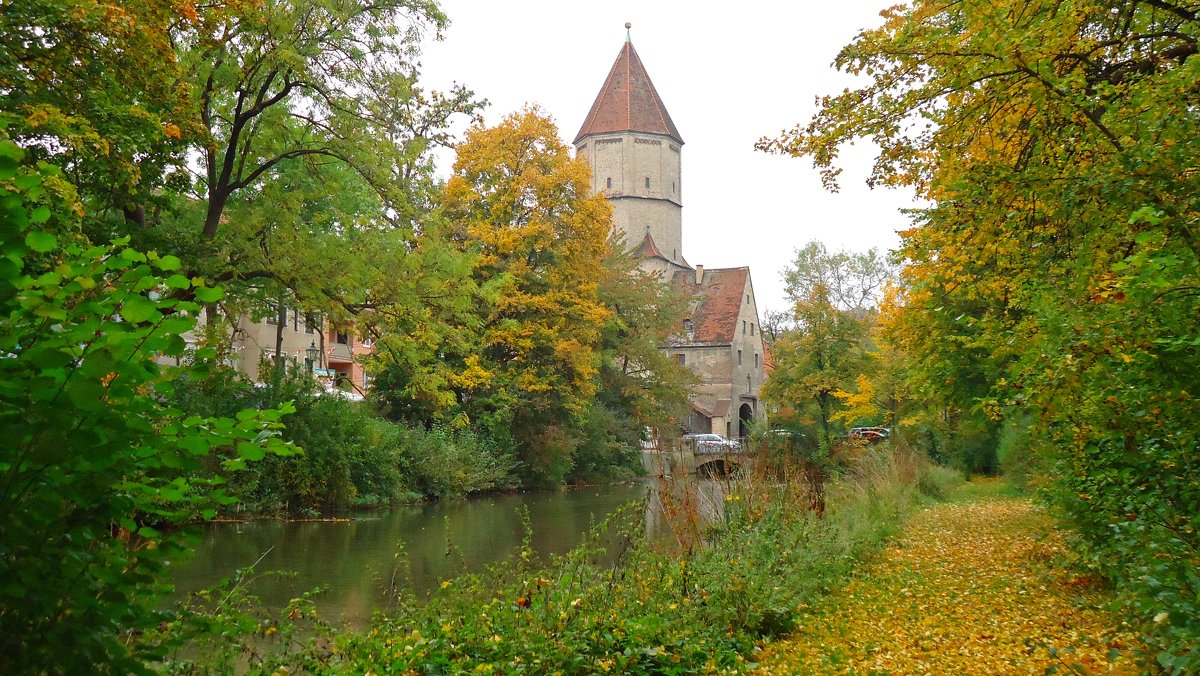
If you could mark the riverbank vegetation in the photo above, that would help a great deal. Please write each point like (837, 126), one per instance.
(352, 456)
(698, 601)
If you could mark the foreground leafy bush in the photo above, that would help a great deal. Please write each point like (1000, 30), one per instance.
(656, 609)
(95, 469)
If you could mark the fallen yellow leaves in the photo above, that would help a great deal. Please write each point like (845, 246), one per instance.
(968, 588)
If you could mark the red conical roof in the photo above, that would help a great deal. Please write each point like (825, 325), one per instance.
(648, 249)
(628, 102)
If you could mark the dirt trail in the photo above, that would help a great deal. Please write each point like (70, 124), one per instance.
(969, 587)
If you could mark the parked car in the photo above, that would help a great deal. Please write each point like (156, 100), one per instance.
(711, 443)
(871, 435)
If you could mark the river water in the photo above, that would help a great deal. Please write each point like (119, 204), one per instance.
(356, 559)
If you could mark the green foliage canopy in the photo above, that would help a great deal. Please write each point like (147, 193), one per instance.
(1055, 274)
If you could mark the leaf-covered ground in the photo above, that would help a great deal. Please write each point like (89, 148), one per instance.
(969, 587)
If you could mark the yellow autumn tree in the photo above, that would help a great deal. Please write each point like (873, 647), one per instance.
(859, 405)
(1051, 282)
(522, 205)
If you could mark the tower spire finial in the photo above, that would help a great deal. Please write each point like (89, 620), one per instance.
(628, 25)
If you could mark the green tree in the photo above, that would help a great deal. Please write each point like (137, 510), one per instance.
(1054, 275)
(94, 88)
(314, 140)
(823, 355)
(305, 122)
(826, 345)
(854, 281)
(96, 473)
(282, 80)
(640, 386)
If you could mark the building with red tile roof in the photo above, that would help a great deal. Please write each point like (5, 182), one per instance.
(634, 150)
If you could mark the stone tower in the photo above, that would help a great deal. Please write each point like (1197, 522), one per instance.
(633, 148)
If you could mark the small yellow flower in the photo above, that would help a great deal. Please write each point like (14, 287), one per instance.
(445, 583)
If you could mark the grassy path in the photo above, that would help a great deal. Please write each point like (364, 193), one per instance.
(967, 588)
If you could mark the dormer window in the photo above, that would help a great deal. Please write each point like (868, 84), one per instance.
(687, 325)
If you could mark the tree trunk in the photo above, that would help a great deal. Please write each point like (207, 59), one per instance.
(281, 317)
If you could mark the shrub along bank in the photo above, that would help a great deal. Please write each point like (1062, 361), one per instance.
(699, 605)
(351, 457)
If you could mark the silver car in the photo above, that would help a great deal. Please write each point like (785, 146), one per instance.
(711, 443)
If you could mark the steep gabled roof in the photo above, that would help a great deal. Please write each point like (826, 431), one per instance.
(648, 249)
(628, 102)
(717, 302)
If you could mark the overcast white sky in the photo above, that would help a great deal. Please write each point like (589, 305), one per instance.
(728, 76)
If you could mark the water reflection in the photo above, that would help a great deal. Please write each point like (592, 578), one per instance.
(355, 561)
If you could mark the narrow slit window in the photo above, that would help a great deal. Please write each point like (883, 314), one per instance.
(647, 183)
(609, 185)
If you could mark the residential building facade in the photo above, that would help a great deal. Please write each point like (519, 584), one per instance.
(338, 351)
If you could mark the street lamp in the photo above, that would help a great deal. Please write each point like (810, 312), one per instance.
(311, 354)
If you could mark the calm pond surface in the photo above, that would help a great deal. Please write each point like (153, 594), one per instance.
(355, 559)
